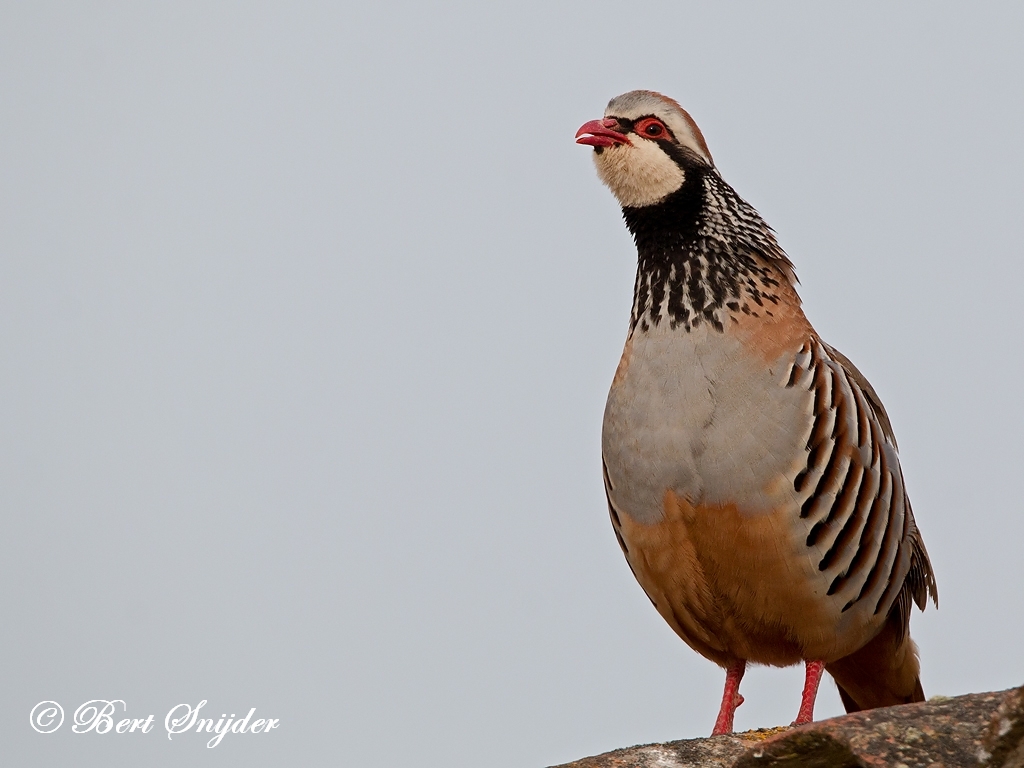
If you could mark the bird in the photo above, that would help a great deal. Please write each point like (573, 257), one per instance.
(751, 471)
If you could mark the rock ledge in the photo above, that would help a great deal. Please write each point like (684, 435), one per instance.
(980, 729)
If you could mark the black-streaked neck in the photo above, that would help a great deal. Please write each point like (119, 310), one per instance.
(703, 253)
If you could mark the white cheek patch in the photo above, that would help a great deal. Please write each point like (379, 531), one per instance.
(640, 174)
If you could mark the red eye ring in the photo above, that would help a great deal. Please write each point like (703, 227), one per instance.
(651, 128)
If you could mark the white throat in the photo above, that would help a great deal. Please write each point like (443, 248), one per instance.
(640, 174)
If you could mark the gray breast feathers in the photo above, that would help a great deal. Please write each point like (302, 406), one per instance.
(695, 414)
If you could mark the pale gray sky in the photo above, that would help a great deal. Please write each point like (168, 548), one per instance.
(307, 317)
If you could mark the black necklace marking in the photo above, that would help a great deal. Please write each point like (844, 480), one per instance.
(700, 247)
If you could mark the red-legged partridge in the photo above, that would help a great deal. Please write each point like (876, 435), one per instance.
(751, 470)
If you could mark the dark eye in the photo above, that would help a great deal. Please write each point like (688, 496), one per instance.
(652, 128)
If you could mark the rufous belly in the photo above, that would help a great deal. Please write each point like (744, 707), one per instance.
(734, 586)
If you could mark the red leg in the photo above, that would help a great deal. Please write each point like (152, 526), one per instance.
(730, 698)
(806, 713)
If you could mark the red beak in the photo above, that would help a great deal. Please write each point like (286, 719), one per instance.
(599, 133)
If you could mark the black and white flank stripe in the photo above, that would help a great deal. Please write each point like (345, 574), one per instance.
(852, 492)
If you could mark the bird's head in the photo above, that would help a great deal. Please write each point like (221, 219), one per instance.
(643, 147)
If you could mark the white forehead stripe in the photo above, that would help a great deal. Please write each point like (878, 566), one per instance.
(636, 104)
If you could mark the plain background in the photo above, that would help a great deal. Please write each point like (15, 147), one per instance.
(307, 317)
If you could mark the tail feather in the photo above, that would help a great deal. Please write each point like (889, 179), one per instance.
(883, 673)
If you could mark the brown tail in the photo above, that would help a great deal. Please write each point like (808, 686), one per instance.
(882, 673)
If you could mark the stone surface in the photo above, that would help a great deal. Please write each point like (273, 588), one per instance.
(1003, 742)
(981, 729)
(717, 752)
